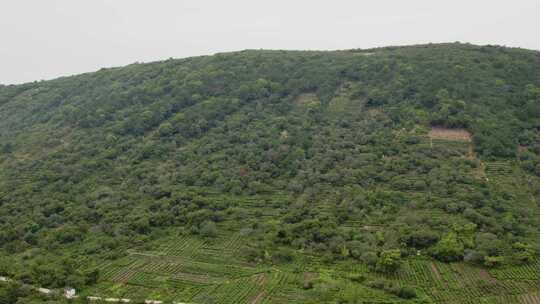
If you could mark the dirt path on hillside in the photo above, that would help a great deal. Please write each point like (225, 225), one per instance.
(258, 298)
(437, 274)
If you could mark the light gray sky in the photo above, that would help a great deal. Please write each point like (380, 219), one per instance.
(44, 39)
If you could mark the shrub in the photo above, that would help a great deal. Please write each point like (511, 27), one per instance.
(208, 229)
(389, 260)
(406, 292)
(449, 248)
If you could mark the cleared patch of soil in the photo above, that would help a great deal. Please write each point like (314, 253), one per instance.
(309, 276)
(258, 298)
(450, 134)
(522, 148)
(487, 276)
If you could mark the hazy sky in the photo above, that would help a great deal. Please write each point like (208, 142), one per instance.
(44, 39)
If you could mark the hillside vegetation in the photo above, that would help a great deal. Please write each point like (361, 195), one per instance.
(390, 175)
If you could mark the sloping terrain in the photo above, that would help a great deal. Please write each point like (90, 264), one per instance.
(407, 176)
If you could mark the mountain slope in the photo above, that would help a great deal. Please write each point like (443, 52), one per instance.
(393, 159)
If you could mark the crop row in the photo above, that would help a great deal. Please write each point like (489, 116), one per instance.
(220, 270)
(529, 271)
(181, 282)
(187, 293)
(234, 243)
(114, 270)
(528, 298)
(497, 169)
(146, 279)
(353, 293)
(182, 246)
(420, 272)
(135, 292)
(240, 291)
(178, 266)
(458, 282)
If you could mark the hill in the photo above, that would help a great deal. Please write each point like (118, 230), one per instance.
(389, 175)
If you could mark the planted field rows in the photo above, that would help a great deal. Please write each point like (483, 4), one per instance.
(498, 170)
(459, 282)
(190, 247)
(191, 270)
(528, 298)
(282, 287)
(366, 295)
(226, 244)
(188, 269)
(173, 266)
(182, 246)
(529, 271)
(111, 269)
(238, 291)
(420, 273)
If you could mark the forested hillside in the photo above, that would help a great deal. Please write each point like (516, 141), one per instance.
(389, 175)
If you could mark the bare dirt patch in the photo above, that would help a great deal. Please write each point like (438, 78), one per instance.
(450, 134)
(309, 276)
(258, 298)
(487, 276)
(522, 149)
(435, 271)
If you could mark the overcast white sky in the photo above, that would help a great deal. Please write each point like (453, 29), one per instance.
(44, 39)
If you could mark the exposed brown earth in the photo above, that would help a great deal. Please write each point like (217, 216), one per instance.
(486, 275)
(308, 276)
(450, 134)
(258, 298)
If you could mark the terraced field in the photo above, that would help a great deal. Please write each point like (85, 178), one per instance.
(499, 170)
(187, 270)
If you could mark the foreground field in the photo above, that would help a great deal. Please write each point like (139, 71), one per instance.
(186, 270)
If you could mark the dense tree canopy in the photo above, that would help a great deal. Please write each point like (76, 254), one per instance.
(336, 142)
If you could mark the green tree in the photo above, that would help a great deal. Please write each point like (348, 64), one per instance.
(389, 260)
(208, 229)
(493, 261)
(165, 129)
(449, 248)
(10, 292)
(523, 253)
